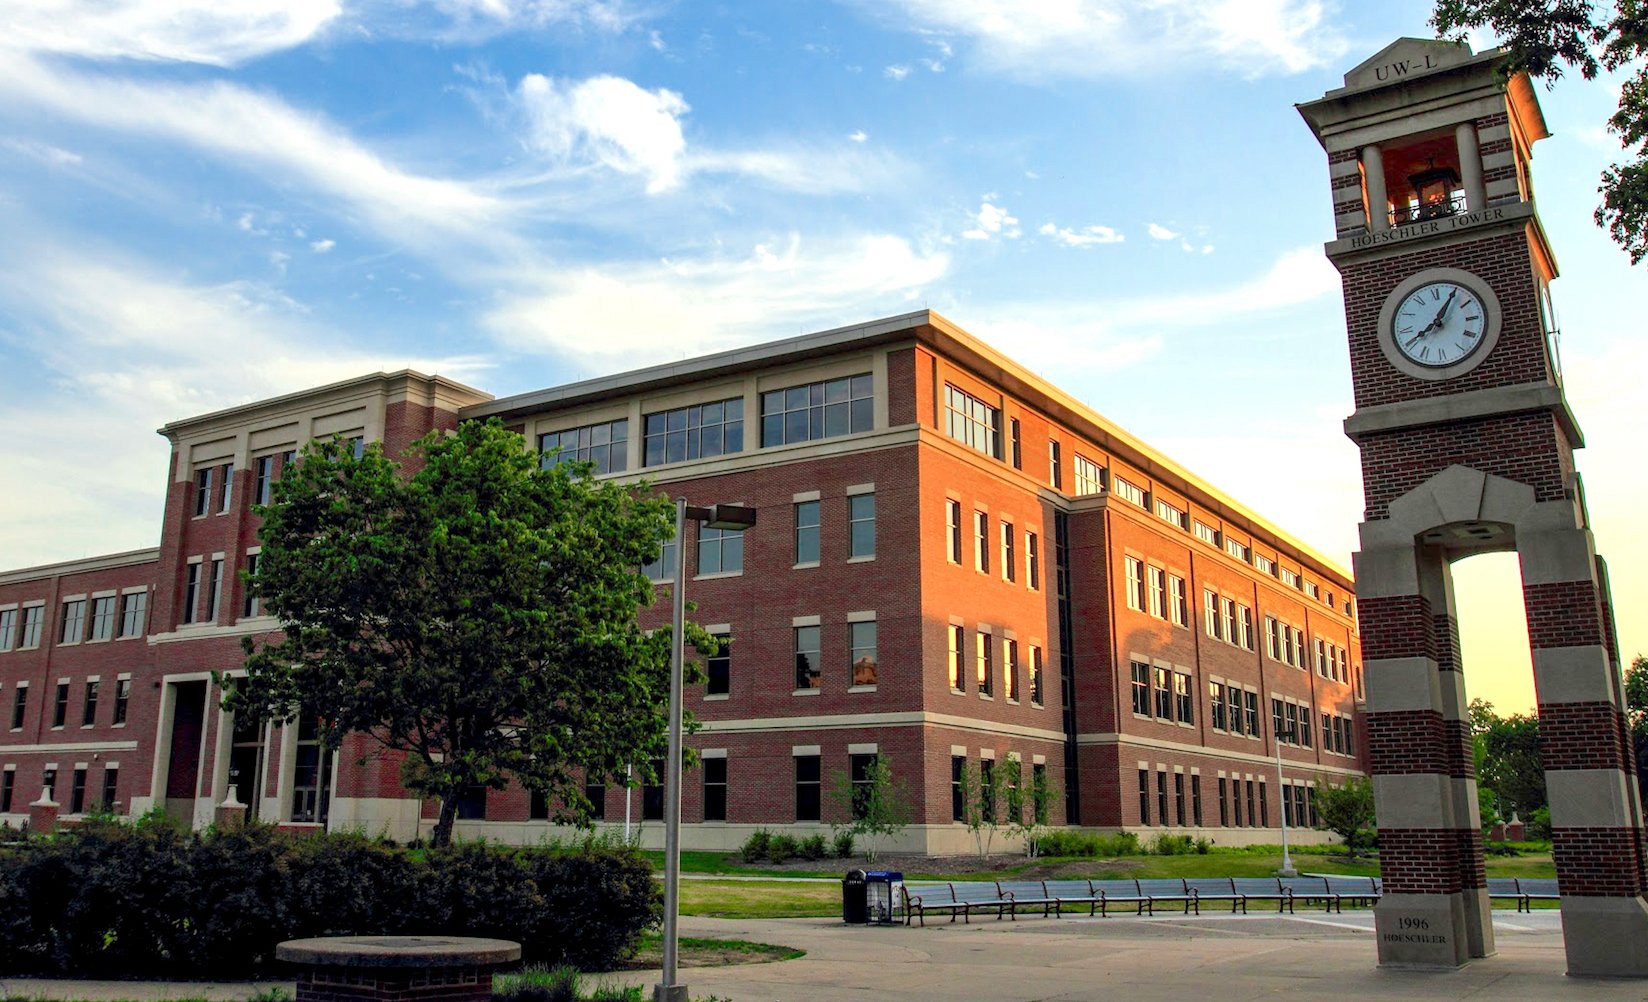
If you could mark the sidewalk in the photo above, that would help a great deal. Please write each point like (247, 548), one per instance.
(1230, 958)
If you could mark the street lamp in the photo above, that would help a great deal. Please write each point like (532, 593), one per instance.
(1287, 869)
(720, 516)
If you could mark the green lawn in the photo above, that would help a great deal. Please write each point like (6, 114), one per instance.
(750, 899)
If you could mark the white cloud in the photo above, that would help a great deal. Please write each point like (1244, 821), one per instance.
(608, 120)
(1087, 236)
(1161, 232)
(859, 136)
(278, 259)
(1097, 38)
(897, 72)
(217, 32)
(632, 314)
(992, 220)
(322, 246)
(46, 153)
(656, 40)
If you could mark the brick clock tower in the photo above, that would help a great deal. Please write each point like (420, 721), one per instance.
(1467, 447)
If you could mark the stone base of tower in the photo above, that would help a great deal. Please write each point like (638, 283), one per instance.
(1606, 937)
(1433, 932)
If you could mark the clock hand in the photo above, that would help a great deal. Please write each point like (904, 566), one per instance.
(1444, 310)
(1409, 343)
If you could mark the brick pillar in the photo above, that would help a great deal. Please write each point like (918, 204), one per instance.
(43, 814)
(1596, 818)
(1434, 912)
(231, 813)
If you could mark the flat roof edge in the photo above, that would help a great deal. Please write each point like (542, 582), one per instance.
(107, 561)
(362, 381)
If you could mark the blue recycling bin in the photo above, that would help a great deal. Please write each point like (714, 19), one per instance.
(883, 897)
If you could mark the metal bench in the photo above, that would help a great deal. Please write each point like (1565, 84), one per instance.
(1359, 891)
(1505, 889)
(1173, 890)
(1121, 892)
(962, 898)
(1029, 894)
(1217, 889)
(1537, 889)
(1308, 889)
(1263, 889)
(1074, 892)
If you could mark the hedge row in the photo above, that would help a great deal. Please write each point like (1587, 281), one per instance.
(147, 899)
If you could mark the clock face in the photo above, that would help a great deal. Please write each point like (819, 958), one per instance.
(1439, 324)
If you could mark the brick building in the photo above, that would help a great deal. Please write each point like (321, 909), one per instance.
(954, 561)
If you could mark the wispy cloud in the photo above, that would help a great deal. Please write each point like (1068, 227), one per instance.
(990, 221)
(216, 32)
(896, 72)
(1086, 236)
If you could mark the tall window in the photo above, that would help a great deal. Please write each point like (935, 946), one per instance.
(1035, 676)
(203, 491)
(1144, 796)
(807, 522)
(77, 793)
(60, 707)
(863, 781)
(1032, 559)
(1216, 707)
(595, 791)
(191, 592)
(1014, 446)
(1210, 614)
(215, 596)
(263, 474)
(1141, 688)
(1010, 669)
(74, 622)
(88, 710)
(652, 793)
(697, 432)
(715, 789)
(1196, 800)
(958, 805)
(1055, 468)
(133, 610)
(103, 618)
(1179, 798)
(1009, 552)
(818, 410)
(288, 463)
(1186, 703)
(1304, 726)
(1178, 608)
(1089, 476)
(662, 569)
(718, 667)
(1228, 609)
(253, 602)
(806, 657)
(1161, 798)
(1157, 579)
(808, 787)
(8, 787)
(8, 628)
(720, 551)
(122, 698)
(952, 530)
(981, 541)
(19, 706)
(1244, 617)
(111, 784)
(987, 775)
(982, 653)
(957, 678)
(972, 422)
(605, 445)
(861, 525)
(863, 652)
(1276, 722)
(1224, 802)
(1134, 570)
(1164, 694)
(1252, 705)
(229, 486)
(1272, 638)
(311, 775)
(33, 618)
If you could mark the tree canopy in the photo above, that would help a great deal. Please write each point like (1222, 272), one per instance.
(1346, 809)
(1546, 37)
(1508, 759)
(477, 615)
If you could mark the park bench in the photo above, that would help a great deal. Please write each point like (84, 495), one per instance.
(1359, 891)
(1536, 889)
(959, 898)
(1216, 889)
(1121, 892)
(1173, 891)
(1308, 889)
(1505, 889)
(1028, 894)
(1074, 892)
(1263, 889)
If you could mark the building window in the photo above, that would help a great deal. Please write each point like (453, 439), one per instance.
(537, 805)
(987, 775)
(1298, 649)
(720, 551)
(1134, 571)
(1289, 578)
(806, 657)
(863, 781)
(1032, 560)
(1264, 564)
(215, 596)
(652, 793)
(818, 410)
(229, 485)
(19, 705)
(972, 422)
(88, 711)
(715, 789)
(1210, 614)
(263, 476)
(203, 491)
(957, 679)
(863, 652)
(1236, 550)
(958, 806)
(1010, 669)
(1144, 796)
(8, 786)
(1182, 695)
(1350, 746)
(1055, 468)
(472, 803)
(952, 527)
(1264, 804)
(981, 542)
(1141, 688)
(604, 445)
(1321, 657)
(1244, 618)
(74, 622)
(1311, 590)
(103, 618)
(1009, 552)
(1304, 726)
(595, 791)
(861, 525)
(1164, 694)
(1177, 607)
(60, 708)
(1272, 636)
(1157, 579)
(1217, 718)
(1089, 476)
(718, 667)
(697, 432)
(122, 698)
(77, 793)
(1288, 814)
(34, 618)
(1252, 699)
(1224, 803)
(1228, 622)
(1036, 694)
(1206, 533)
(982, 644)
(191, 592)
(1013, 437)
(808, 788)
(807, 522)
(1129, 492)
(1179, 798)
(661, 570)
(253, 602)
(1170, 514)
(311, 775)
(133, 610)
(1161, 798)
(8, 628)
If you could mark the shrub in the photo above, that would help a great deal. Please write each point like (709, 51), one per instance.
(754, 848)
(813, 847)
(1539, 825)
(1171, 845)
(537, 983)
(843, 844)
(781, 848)
(597, 903)
(1204, 846)
(1067, 842)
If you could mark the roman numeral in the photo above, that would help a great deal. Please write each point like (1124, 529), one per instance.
(1425, 351)
(1473, 318)
(1436, 294)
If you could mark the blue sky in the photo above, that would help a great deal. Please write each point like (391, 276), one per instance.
(208, 202)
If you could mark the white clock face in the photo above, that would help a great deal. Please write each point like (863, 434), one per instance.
(1439, 324)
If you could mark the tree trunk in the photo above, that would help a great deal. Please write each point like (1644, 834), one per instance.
(442, 835)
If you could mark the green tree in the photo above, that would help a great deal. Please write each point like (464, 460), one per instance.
(877, 805)
(1346, 810)
(1029, 806)
(1508, 758)
(1547, 36)
(1636, 713)
(477, 616)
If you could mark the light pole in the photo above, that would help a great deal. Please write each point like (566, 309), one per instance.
(721, 516)
(1287, 869)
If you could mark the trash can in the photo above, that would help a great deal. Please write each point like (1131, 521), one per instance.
(882, 901)
(854, 910)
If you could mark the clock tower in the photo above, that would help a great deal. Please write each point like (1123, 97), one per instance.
(1467, 447)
